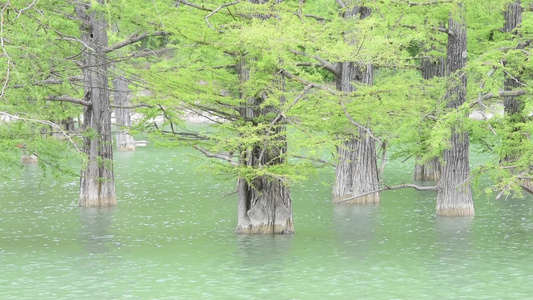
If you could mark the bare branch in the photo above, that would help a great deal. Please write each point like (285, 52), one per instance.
(9, 63)
(341, 4)
(216, 10)
(178, 2)
(51, 81)
(45, 122)
(441, 29)
(428, 3)
(314, 159)
(366, 129)
(225, 157)
(282, 114)
(65, 98)
(502, 94)
(134, 38)
(397, 187)
(306, 82)
(318, 18)
(132, 106)
(24, 9)
(325, 64)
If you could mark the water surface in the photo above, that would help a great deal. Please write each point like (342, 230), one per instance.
(172, 237)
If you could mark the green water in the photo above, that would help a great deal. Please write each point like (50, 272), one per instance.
(172, 237)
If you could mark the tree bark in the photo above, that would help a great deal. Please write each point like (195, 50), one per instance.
(454, 196)
(122, 95)
(513, 105)
(97, 186)
(431, 170)
(357, 170)
(264, 202)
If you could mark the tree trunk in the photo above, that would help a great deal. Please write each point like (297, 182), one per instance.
(97, 187)
(125, 141)
(431, 170)
(454, 196)
(513, 106)
(357, 169)
(264, 205)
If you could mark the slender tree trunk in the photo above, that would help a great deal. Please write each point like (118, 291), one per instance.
(430, 170)
(454, 196)
(264, 202)
(122, 95)
(513, 106)
(97, 187)
(357, 170)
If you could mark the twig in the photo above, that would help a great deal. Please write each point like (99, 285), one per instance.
(216, 10)
(282, 114)
(368, 131)
(45, 122)
(8, 69)
(225, 157)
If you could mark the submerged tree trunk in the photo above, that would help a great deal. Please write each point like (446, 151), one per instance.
(454, 196)
(97, 187)
(357, 170)
(264, 205)
(430, 170)
(122, 94)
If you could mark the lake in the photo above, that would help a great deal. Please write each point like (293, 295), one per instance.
(172, 237)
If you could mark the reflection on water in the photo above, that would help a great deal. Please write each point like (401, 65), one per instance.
(94, 235)
(355, 227)
(453, 234)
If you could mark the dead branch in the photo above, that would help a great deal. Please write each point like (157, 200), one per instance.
(134, 38)
(366, 129)
(397, 187)
(45, 122)
(282, 114)
(225, 157)
(324, 63)
(216, 10)
(65, 98)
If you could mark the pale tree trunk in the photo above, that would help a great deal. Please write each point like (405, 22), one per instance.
(430, 170)
(514, 105)
(97, 187)
(454, 195)
(264, 202)
(357, 170)
(121, 97)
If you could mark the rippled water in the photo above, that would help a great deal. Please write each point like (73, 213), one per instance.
(172, 237)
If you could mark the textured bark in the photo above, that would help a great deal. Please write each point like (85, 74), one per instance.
(264, 203)
(357, 169)
(454, 196)
(122, 95)
(431, 170)
(513, 105)
(97, 186)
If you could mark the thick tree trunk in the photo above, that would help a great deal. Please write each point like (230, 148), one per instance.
(431, 170)
(122, 94)
(356, 172)
(97, 187)
(454, 196)
(264, 202)
(357, 169)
